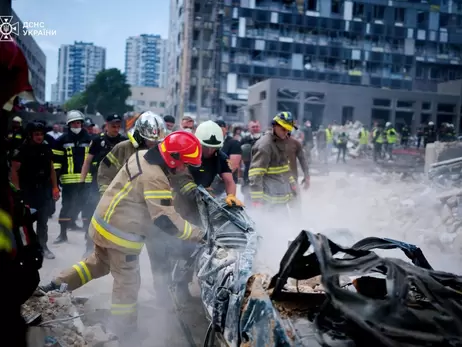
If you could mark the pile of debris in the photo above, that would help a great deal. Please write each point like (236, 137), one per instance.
(55, 320)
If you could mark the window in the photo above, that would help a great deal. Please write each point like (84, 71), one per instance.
(263, 95)
(422, 20)
(312, 5)
(379, 12)
(404, 104)
(426, 106)
(399, 14)
(448, 108)
(140, 103)
(162, 104)
(336, 6)
(153, 104)
(358, 10)
(382, 102)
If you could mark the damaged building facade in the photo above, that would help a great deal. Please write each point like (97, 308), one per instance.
(324, 103)
(224, 47)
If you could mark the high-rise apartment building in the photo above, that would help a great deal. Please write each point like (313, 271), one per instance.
(78, 65)
(407, 45)
(146, 61)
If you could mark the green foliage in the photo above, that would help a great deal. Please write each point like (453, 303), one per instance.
(108, 93)
(77, 102)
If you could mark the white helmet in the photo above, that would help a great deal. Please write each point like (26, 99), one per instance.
(74, 115)
(210, 134)
(431, 123)
(387, 124)
(151, 126)
(17, 119)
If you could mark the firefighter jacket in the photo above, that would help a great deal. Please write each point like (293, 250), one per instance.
(139, 196)
(69, 153)
(294, 152)
(112, 163)
(269, 174)
(101, 145)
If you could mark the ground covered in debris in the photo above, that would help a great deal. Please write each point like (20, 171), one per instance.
(346, 204)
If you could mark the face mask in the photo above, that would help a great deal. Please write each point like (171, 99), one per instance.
(256, 136)
(76, 130)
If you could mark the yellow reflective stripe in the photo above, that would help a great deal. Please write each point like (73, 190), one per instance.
(187, 231)
(116, 200)
(121, 309)
(257, 171)
(6, 236)
(116, 239)
(256, 195)
(277, 199)
(291, 179)
(188, 187)
(274, 170)
(70, 161)
(57, 166)
(87, 149)
(56, 152)
(83, 272)
(5, 220)
(74, 178)
(114, 161)
(103, 188)
(158, 194)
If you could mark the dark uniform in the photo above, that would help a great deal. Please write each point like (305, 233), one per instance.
(36, 186)
(69, 155)
(15, 138)
(232, 147)
(405, 134)
(429, 135)
(99, 148)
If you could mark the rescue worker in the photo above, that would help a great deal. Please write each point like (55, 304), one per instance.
(138, 198)
(271, 182)
(232, 148)
(247, 143)
(89, 126)
(363, 140)
(405, 134)
(69, 155)
(33, 175)
(149, 129)
(295, 151)
(342, 142)
(329, 140)
(187, 124)
(100, 146)
(169, 123)
(16, 136)
(429, 134)
(378, 140)
(391, 139)
(321, 144)
(20, 254)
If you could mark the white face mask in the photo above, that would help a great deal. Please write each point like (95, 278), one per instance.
(256, 136)
(76, 130)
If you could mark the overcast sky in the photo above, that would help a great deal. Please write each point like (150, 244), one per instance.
(106, 23)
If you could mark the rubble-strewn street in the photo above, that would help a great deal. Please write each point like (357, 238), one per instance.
(346, 205)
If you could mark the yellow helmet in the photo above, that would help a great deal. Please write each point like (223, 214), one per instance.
(286, 120)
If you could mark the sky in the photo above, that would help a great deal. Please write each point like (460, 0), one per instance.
(106, 23)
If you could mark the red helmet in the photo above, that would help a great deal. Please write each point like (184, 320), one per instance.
(181, 147)
(14, 74)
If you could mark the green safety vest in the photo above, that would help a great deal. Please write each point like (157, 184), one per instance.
(379, 138)
(329, 136)
(364, 139)
(391, 135)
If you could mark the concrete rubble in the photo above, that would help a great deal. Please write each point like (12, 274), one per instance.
(62, 322)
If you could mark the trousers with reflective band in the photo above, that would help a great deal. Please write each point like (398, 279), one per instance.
(117, 236)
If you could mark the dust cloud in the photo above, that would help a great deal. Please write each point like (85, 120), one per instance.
(348, 207)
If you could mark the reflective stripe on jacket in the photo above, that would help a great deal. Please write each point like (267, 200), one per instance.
(113, 162)
(138, 197)
(392, 137)
(269, 174)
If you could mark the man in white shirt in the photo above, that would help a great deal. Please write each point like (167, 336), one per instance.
(55, 133)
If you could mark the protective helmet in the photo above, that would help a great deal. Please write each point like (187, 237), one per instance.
(181, 147)
(74, 115)
(431, 123)
(88, 122)
(150, 126)
(286, 120)
(14, 74)
(17, 119)
(388, 124)
(210, 134)
(35, 126)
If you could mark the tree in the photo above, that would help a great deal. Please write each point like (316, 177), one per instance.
(77, 102)
(108, 93)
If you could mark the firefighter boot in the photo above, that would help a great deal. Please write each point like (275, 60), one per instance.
(47, 253)
(62, 238)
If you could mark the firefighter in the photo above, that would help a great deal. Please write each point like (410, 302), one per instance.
(33, 173)
(101, 145)
(405, 134)
(391, 137)
(378, 141)
(69, 155)
(16, 136)
(138, 198)
(429, 135)
(270, 178)
(149, 129)
(294, 152)
(20, 255)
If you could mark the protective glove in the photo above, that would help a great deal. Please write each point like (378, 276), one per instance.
(56, 194)
(231, 200)
(237, 239)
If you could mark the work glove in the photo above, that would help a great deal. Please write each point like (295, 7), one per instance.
(56, 194)
(306, 183)
(231, 200)
(233, 240)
